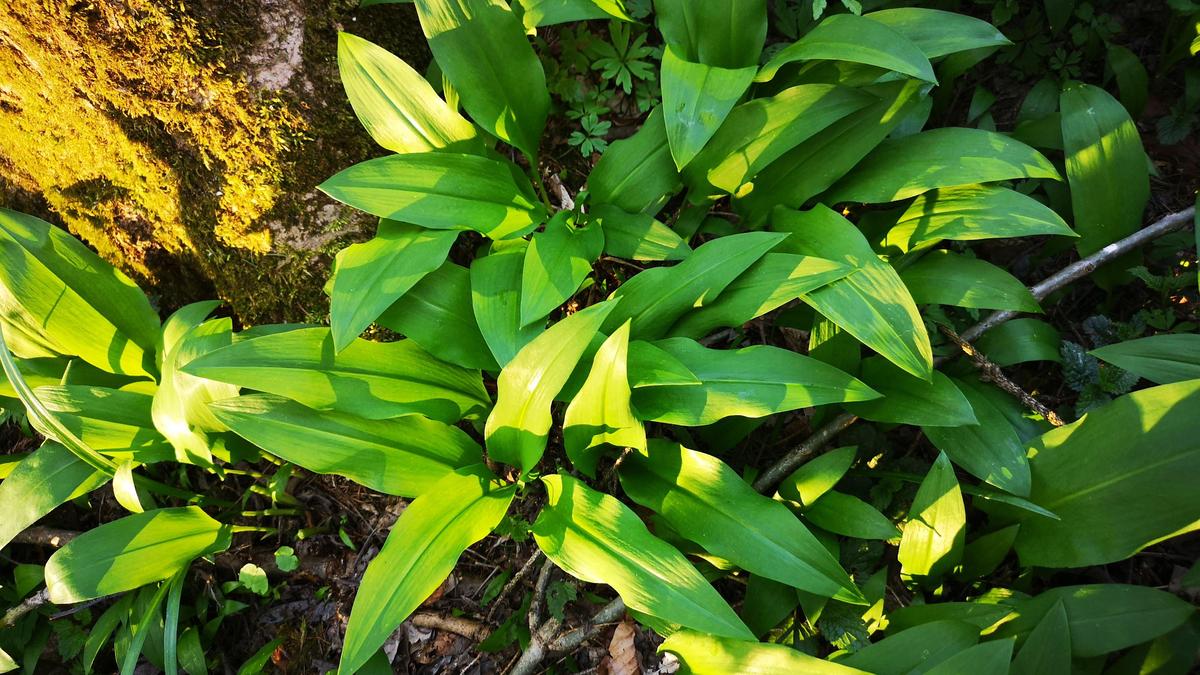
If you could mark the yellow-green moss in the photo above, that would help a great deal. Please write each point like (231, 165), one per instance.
(132, 123)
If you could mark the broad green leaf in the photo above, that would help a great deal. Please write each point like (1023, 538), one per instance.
(944, 278)
(814, 165)
(437, 314)
(767, 603)
(938, 158)
(180, 409)
(989, 658)
(1103, 618)
(704, 500)
(1047, 650)
(872, 304)
(770, 283)
(696, 99)
(637, 174)
(935, 528)
(723, 33)
(115, 422)
(982, 615)
(989, 450)
(751, 382)
(656, 298)
(1021, 341)
(369, 277)
(651, 366)
(601, 413)
(597, 539)
(420, 552)
(973, 212)
(538, 13)
(817, 476)
(402, 456)
(46, 422)
(910, 400)
(370, 379)
(54, 287)
(1162, 359)
(396, 106)
(985, 553)
(937, 33)
(556, 263)
(915, 650)
(758, 132)
(1132, 79)
(1106, 167)
(517, 428)
(846, 37)
(124, 490)
(441, 191)
(638, 236)
(1118, 478)
(481, 47)
(131, 552)
(496, 299)
(46, 478)
(701, 654)
(849, 516)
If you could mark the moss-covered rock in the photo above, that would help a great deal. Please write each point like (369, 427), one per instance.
(184, 140)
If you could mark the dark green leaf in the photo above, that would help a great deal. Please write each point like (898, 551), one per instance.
(638, 236)
(1162, 359)
(637, 174)
(937, 33)
(910, 400)
(1117, 478)
(437, 315)
(845, 37)
(556, 263)
(496, 299)
(989, 450)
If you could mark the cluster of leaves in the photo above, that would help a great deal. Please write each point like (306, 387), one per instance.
(534, 369)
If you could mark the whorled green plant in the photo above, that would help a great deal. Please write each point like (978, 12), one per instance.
(593, 316)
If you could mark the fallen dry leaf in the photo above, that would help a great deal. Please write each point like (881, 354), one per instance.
(623, 657)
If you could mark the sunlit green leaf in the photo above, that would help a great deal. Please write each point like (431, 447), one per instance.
(597, 539)
(46, 478)
(396, 105)
(131, 552)
(402, 456)
(944, 278)
(370, 276)
(441, 191)
(749, 382)
(481, 47)
(938, 158)
(696, 99)
(370, 379)
(519, 423)
(701, 654)
(556, 263)
(1162, 359)
(601, 413)
(54, 287)
(706, 501)
(935, 529)
(846, 37)
(420, 552)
